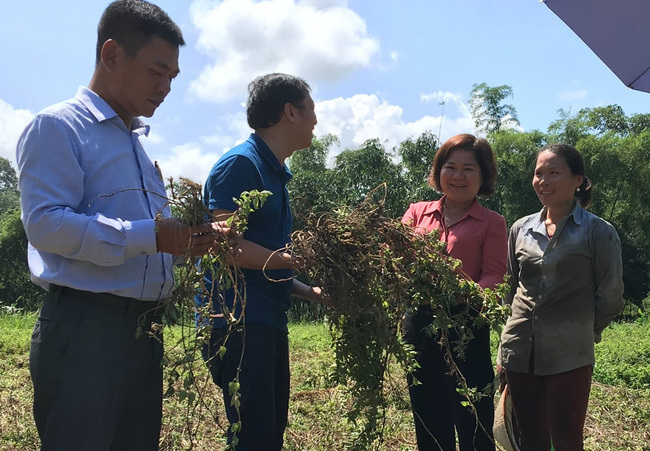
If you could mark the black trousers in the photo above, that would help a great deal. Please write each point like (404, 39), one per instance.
(96, 386)
(436, 405)
(264, 383)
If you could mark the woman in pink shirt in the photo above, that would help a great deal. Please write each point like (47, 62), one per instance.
(464, 167)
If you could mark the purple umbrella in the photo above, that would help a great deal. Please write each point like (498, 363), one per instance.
(617, 31)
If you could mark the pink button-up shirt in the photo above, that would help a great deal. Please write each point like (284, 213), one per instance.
(478, 239)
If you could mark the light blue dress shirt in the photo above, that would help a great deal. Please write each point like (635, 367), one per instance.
(89, 196)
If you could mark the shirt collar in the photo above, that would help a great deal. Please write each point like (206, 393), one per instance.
(539, 226)
(576, 214)
(269, 157)
(475, 210)
(102, 111)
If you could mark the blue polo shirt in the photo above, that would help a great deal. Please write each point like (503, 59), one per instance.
(252, 166)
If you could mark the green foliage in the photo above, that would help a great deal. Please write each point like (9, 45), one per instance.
(623, 356)
(16, 288)
(16, 332)
(618, 417)
(312, 187)
(488, 112)
(186, 201)
(365, 168)
(417, 160)
(183, 359)
(313, 159)
(515, 153)
(9, 194)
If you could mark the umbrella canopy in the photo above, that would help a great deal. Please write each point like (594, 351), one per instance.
(618, 31)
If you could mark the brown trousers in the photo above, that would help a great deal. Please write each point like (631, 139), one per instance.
(551, 408)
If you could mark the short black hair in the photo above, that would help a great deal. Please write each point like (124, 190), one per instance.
(482, 153)
(267, 96)
(132, 24)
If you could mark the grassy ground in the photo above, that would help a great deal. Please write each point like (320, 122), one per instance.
(618, 417)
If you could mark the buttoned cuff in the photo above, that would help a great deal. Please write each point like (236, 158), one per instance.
(140, 237)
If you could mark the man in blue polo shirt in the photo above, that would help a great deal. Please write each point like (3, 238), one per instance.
(281, 112)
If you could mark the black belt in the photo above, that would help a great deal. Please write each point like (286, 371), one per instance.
(113, 300)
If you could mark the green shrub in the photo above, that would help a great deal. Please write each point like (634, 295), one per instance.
(623, 357)
(16, 287)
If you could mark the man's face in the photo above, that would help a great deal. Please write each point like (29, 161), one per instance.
(142, 82)
(306, 122)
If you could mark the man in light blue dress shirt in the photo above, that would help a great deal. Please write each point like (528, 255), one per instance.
(101, 241)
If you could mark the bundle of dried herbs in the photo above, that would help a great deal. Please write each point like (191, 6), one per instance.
(374, 269)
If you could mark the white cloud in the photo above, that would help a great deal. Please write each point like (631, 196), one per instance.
(354, 120)
(326, 3)
(189, 161)
(441, 96)
(317, 40)
(507, 123)
(12, 124)
(193, 160)
(569, 96)
(154, 138)
(361, 117)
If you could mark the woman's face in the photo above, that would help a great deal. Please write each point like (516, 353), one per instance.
(460, 176)
(553, 181)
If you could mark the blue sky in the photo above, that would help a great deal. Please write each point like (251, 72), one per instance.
(378, 69)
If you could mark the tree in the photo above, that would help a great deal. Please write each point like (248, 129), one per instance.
(9, 195)
(515, 153)
(16, 288)
(619, 170)
(599, 121)
(311, 190)
(314, 158)
(615, 147)
(488, 112)
(639, 123)
(361, 170)
(417, 159)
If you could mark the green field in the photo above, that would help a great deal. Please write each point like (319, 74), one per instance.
(618, 417)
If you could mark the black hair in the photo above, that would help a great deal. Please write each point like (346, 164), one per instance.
(269, 94)
(132, 24)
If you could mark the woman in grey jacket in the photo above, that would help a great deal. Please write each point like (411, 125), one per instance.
(566, 275)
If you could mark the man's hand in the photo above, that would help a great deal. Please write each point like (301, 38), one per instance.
(295, 263)
(313, 294)
(320, 297)
(174, 237)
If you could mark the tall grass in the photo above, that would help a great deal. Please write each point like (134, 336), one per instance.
(618, 417)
